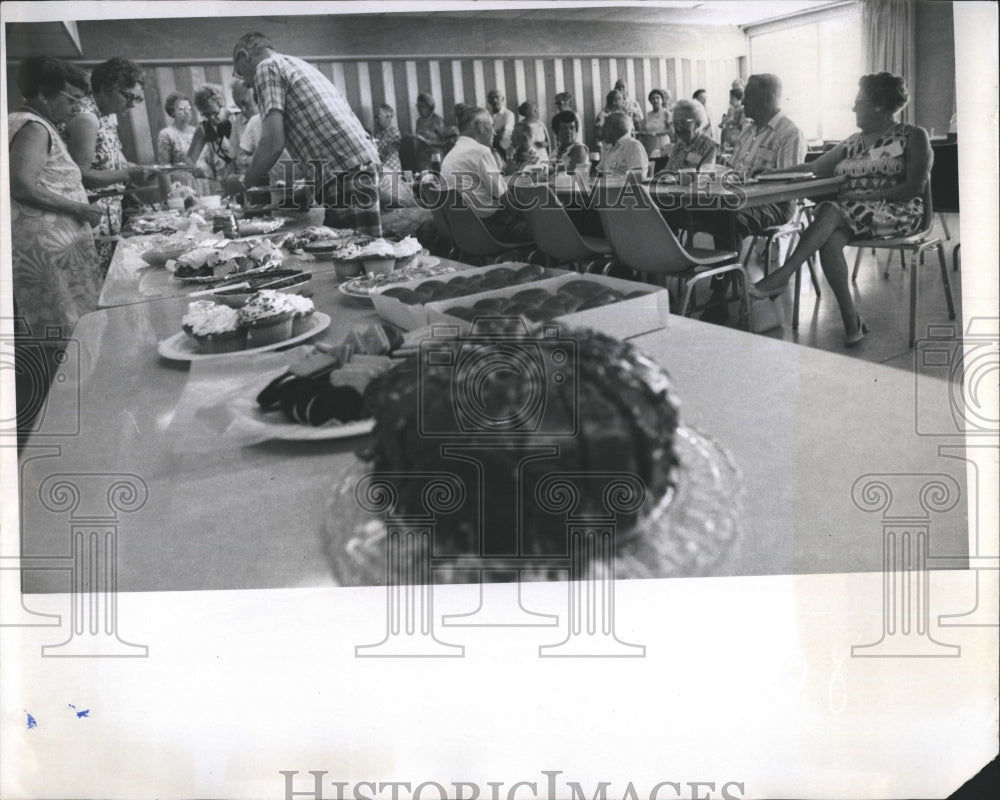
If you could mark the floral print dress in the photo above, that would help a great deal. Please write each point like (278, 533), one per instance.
(108, 155)
(55, 263)
(875, 168)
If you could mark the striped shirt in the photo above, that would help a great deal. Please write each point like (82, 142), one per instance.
(319, 124)
(777, 145)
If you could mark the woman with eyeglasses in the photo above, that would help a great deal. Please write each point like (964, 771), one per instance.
(55, 270)
(216, 133)
(92, 139)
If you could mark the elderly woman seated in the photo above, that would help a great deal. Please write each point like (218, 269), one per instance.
(536, 129)
(886, 165)
(623, 153)
(570, 152)
(693, 148)
(524, 152)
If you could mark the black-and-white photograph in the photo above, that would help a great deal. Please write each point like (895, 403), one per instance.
(499, 399)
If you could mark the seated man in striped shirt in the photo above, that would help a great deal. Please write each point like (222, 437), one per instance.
(302, 111)
(772, 141)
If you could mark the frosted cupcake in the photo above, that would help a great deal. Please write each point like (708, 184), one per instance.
(378, 256)
(268, 317)
(214, 328)
(405, 250)
(302, 313)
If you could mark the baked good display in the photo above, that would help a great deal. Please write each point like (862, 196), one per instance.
(210, 260)
(617, 414)
(319, 237)
(327, 387)
(163, 248)
(267, 316)
(302, 312)
(215, 328)
(543, 304)
(461, 285)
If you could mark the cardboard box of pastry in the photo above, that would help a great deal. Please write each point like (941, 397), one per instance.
(617, 307)
(405, 304)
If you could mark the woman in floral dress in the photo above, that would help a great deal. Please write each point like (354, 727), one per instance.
(886, 166)
(92, 139)
(55, 271)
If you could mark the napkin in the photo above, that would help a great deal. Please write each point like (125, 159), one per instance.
(219, 404)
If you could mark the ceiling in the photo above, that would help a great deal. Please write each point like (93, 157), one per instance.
(663, 12)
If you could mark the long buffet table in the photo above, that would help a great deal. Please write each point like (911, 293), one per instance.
(131, 280)
(801, 426)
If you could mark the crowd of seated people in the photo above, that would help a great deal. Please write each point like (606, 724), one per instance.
(886, 165)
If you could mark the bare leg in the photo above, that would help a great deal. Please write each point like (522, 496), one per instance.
(826, 223)
(831, 256)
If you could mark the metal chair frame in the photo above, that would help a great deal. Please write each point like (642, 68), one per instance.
(916, 245)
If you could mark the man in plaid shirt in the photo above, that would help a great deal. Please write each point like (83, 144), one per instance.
(302, 111)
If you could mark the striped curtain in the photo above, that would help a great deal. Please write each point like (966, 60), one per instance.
(396, 82)
(889, 30)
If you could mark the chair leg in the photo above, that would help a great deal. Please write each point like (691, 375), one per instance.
(857, 265)
(749, 251)
(954, 257)
(795, 303)
(945, 279)
(913, 301)
(944, 225)
(811, 261)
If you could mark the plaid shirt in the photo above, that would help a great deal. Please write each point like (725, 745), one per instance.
(319, 124)
(779, 144)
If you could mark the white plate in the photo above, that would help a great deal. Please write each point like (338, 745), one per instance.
(423, 269)
(787, 176)
(180, 346)
(274, 425)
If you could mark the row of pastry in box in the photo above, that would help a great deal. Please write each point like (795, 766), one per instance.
(618, 307)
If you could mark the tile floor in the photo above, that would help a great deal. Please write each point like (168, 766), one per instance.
(883, 302)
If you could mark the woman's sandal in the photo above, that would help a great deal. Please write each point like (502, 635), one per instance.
(765, 294)
(857, 336)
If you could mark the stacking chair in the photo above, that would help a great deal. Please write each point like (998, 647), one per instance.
(916, 244)
(552, 229)
(793, 230)
(430, 188)
(643, 241)
(471, 236)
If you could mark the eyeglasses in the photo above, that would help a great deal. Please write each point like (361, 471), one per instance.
(74, 99)
(131, 99)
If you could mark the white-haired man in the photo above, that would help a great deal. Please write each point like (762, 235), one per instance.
(472, 168)
(302, 111)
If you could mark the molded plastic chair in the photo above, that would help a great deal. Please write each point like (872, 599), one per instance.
(916, 244)
(553, 230)
(644, 242)
(471, 236)
(430, 189)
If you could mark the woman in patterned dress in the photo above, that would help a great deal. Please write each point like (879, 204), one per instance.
(173, 142)
(55, 271)
(886, 166)
(92, 140)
